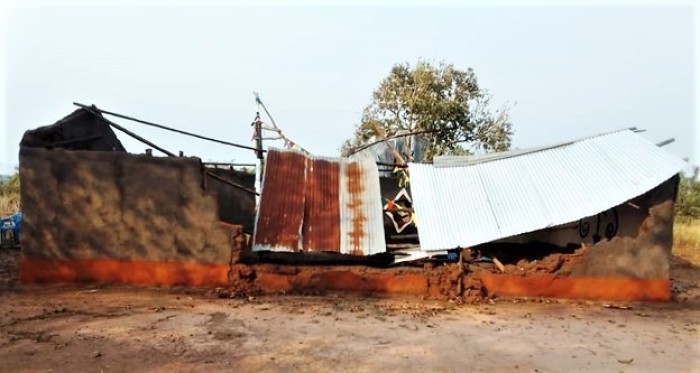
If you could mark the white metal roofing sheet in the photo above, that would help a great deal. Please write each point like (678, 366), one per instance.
(361, 213)
(466, 205)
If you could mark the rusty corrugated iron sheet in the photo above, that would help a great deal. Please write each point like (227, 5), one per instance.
(321, 204)
(281, 211)
(321, 228)
(361, 212)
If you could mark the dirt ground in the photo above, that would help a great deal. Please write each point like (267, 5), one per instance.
(122, 329)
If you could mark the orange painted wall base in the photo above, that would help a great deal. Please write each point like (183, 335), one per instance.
(628, 289)
(159, 273)
(110, 271)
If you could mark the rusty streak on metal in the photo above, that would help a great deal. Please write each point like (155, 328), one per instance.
(281, 210)
(321, 229)
(355, 189)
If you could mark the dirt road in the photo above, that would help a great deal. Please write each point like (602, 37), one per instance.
(69, 329)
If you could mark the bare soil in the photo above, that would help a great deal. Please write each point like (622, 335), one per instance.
(123, 329)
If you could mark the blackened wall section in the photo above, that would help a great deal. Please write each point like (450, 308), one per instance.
(81, 130)
(235, 206)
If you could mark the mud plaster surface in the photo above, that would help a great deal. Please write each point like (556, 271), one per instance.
(88, 204)
(644, 256)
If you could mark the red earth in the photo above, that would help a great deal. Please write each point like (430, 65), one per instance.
(72, 328)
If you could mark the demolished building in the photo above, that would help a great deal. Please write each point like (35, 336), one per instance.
(590, 218)
(612, 194)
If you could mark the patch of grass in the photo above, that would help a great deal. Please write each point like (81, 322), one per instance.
(9, 203)
(686, 240)
(9, 194)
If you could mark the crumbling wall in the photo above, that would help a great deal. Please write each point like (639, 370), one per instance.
(631, 265)
(630, 240)
(643, 255)
(119, 210)
(469, 282)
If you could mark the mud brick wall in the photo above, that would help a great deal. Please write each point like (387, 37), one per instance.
(644, 252)
(115, 208)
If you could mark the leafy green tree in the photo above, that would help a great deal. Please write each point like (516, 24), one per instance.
(443, 103)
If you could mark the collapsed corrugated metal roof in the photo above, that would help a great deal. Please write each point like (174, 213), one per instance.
(320, 204)
(466, 201)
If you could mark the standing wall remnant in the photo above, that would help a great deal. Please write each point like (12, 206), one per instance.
(99, 216)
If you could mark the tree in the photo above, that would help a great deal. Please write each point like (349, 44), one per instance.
(443, 103)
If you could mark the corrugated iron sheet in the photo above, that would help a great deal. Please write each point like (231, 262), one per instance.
(361, 213)
(281, 211)
(321, 229)
(329, 205)
(460, 205)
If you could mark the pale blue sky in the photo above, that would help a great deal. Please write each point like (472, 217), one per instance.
(570, 71)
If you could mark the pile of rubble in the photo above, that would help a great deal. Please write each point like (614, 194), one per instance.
(435, 280)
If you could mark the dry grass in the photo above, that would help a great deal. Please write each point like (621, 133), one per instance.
(9, 194)
(686, 240)
(9, 203)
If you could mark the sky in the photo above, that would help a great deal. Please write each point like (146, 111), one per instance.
(564, 71)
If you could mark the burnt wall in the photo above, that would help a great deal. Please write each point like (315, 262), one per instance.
(115, 205)
(80, 130)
